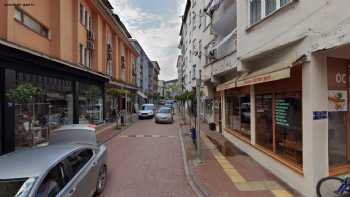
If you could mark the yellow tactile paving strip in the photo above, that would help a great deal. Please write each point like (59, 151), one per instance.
(238, 180)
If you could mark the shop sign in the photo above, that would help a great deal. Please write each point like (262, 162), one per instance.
(337, 100)
(282, 74)
(281, 112)
(319, 115)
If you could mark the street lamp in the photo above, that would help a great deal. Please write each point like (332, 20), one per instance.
(198, 133)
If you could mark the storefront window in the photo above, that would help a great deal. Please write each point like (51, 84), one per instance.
(338, 90)
(49, 110)
(264, 135)
(237, 110)
(278, 107)
(288, 126)
(90, 104)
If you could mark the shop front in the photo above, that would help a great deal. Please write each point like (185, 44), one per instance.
(63, 95)
(338, 115)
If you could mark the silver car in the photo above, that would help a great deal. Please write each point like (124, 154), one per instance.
(71, 165)
(164, 115)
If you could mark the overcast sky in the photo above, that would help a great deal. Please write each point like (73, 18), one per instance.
(156, 25)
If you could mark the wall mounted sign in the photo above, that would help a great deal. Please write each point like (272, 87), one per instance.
(319, 115)
(281, 112)
(337, 100)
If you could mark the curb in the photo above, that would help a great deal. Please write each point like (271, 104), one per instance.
(189, 172)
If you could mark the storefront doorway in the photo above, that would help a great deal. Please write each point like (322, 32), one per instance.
(338, 114)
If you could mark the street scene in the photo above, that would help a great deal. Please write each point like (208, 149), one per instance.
(174, 98)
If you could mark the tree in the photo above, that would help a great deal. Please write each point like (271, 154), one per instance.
(116, 94)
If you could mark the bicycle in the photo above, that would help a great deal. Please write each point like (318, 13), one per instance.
(333, 187)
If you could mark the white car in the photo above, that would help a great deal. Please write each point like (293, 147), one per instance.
(146, 111)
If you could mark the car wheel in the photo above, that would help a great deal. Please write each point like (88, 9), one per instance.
(101, 180)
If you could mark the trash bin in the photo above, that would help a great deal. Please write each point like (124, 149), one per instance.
(212, 126)
(194, 135)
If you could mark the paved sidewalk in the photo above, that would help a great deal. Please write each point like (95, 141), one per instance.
(237, 175)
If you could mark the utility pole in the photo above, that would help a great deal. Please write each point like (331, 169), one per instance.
(198, 134)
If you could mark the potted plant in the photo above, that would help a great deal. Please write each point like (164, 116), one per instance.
(115, 94)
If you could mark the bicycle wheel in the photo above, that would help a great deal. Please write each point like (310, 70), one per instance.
(328, 187)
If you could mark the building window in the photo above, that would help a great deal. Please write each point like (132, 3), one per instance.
(238, 111)
(278, 107)
(31, 23)
(82, 17)
(263, 111)
(270, 6)
(284, 2)
(255, 11)
(109, 68)
(81, 54)
(262, 8)
(87, 58)
(288, 137)
(194, 72)
(48, 111)
(90, 104)
(86, 18)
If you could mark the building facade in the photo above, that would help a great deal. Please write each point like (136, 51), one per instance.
(143, 63)
(70, 53)
(279, 82)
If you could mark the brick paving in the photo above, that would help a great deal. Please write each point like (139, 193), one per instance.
(145, 161)
(237, 175)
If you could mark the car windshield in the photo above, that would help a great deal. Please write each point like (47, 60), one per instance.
(164, 110)
(147, 107)
(16, 187)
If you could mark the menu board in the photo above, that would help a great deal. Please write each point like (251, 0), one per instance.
(263, 103)
(281, 112)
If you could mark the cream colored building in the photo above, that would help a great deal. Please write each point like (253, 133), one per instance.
(284, 89)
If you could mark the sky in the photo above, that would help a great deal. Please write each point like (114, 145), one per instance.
(156, 25)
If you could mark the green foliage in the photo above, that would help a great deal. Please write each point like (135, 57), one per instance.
(116, 92)
(23, 93)
(186, 96)
(93, 92)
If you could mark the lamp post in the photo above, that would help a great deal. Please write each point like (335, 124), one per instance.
(198, 134)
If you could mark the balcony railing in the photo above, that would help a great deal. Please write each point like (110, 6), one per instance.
(224, 19)
(224, 47)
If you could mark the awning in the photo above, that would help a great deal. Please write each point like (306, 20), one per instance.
(141, 94)
(227, 85)
(273, 72)
(263, 76)
(278, 71)
(122, 85)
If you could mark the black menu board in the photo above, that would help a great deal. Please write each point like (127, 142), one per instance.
(281, 112)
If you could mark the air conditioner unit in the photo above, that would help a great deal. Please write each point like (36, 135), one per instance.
(91, 35)
(109, 56)
(122, 61)
(212, 54)
(90, 44)
(109, 47)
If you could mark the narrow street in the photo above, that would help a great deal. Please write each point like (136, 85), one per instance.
(145, 160)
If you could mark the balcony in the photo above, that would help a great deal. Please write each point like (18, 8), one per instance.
(223, 16)
(223, 47)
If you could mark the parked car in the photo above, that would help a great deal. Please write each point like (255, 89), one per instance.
(73, 164)
(164, 115)
(146, 111)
